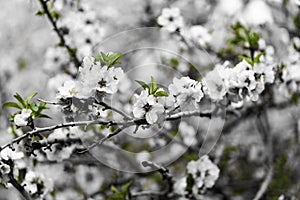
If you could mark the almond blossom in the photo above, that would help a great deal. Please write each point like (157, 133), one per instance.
(147, 106)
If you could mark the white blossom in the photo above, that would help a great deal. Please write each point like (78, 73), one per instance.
(170, 19)
(88, 178)
(186, 90)
(187, 132)
(147, 106)
(180, 185)
(204, 172)
(22, 118)
(200, 35)
(8, 153)
(69, 89)
(4, 169)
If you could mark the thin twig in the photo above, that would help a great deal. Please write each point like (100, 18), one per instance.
(264, 128)
(264, 186)
(106, 106)
(71, 51)
(124, 123)
(148, 193)
(19, 187)
(117, 131)
(48, 102)
(164, 172)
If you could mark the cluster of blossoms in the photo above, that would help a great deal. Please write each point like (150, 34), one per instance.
(204, 174)
(290, 72)
(84, 30)
(229, 85)
(92, 78)
(37, 185)
(239, 83)
(171, 20)
(7, 155)
(183, 91)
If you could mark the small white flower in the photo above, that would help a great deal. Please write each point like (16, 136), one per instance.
(8, 153)
(180, 185)
(265, 71)
(281, 197)
(170, 19)
(147, 106)
(4, 169)
(68, 90)
(88, 178)
(297, 2)
(200, 35)
(22, 119)
(55, 57)
(204, 172)
(186, 90)
(291, 72)
(215, 86)
(187, 132)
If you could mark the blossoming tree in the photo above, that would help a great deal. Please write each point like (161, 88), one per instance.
(216, 114)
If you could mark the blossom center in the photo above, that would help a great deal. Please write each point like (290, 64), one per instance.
(147, 107)
(102, 83)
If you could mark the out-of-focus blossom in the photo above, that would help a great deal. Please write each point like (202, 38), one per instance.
(170, 19)
(88, 178)
(262, 14)
(187, 132)
(55, 58)
(200, 35)
(8, 153)
(204, 172)
(37, 184)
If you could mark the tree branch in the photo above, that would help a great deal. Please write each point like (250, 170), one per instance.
(19, 187)
(71, 51)
(164, 172)
(124, 124)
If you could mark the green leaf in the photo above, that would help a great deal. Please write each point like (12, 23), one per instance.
(248, 60)
(104, 57)
(295, 99)
(28, 99)
(44, 116)
(11, 104)
(189, 183)
(34, 107)
(99, 58)
(56, 15)
(256, 59)
(161, 93)
(40, 13)
(22, 174)
(114, 189)
(126, 187)
(174, 62)
(144, 85)
(153, 85)
(20, 99)
(114, 58)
